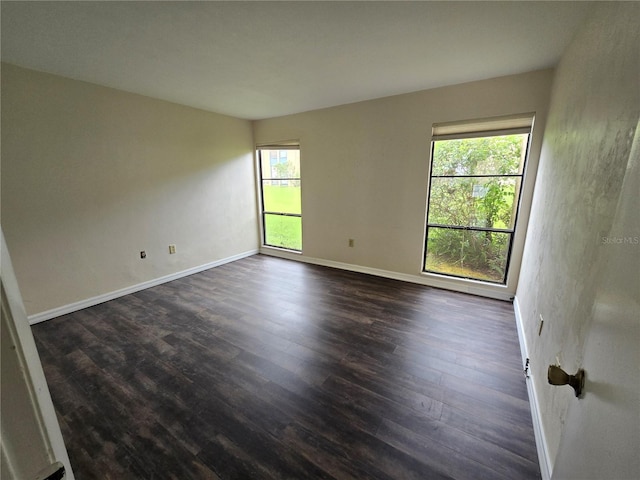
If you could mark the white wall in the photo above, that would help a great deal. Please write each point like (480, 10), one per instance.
(594, 113)
(91, 176)
(364, 166)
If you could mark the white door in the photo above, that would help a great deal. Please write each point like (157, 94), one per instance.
(32, 445)
(601, 438)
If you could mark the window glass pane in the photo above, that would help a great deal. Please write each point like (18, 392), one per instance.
(282, 231)
(281, 196)
(285, 164)
(486, 202)
(499, 155)
(467, 253)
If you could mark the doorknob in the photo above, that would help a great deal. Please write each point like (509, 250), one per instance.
(557, 376)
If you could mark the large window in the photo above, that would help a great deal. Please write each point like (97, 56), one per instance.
(280, 194)
(474, 194)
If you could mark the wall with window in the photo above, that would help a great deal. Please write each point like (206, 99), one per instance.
(91, 176)
(365, 166)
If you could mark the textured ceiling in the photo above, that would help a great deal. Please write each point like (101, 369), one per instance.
(264, 59)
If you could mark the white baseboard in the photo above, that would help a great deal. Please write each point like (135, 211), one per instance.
(105, 297)
(541, 440)
(474, 288)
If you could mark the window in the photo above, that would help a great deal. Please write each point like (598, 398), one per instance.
(280, 194)
(476, 178)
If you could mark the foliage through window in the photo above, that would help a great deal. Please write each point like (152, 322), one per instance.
(473, 202)
(280, 195)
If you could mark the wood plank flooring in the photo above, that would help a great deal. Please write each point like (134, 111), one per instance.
(266, 368)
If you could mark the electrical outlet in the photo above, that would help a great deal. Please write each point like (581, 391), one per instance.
(351, 242)
(172, 249)
(143, 254)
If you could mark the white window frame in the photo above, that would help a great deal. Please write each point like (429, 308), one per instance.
(285, 145)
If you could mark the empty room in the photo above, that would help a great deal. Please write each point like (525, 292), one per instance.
(320, 240)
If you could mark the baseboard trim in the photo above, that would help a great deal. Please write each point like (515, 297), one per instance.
(427, 280)
(541, 440)
(105, 297)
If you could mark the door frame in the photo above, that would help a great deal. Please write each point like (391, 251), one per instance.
(49, 444)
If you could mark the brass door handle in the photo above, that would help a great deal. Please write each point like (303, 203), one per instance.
(557, 376)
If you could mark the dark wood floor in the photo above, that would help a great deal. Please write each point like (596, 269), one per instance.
(272, 369)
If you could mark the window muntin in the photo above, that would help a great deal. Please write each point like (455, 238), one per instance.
(474, 201)
(474, 194)
(280, 192)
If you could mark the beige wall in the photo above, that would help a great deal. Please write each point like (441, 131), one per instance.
(364, 166)
(91, 176)
(585, 157)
